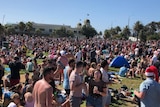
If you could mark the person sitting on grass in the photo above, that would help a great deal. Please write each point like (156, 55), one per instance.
(123, 71)
(15, 100)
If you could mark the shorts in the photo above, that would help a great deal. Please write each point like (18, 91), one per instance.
(14, 81)
(106, 100)
(94, 101)
(75, 101)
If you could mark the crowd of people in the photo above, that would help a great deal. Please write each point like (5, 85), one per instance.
(80, 65)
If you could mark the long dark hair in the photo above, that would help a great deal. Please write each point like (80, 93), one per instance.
(99, 72)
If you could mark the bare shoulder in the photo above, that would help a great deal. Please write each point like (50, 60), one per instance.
(41, 81)
(49, 88)
(38, 82)
(72, 73)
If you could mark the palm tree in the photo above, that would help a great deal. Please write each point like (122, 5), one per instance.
(153, 27)
(107, 34)
(138, 27)
(100, 32)
(22, 27)
(113, 31)
(158, 26)
(117, 29)
(142, 36)
(126, 32)
(29, 27)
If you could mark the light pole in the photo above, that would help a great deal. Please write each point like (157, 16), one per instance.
(128, 21)
(3, 19)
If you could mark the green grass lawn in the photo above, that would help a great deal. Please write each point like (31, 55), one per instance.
(130, 83)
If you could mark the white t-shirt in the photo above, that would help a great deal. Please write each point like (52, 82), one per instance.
(62, 52)
(136, 51)
(105, 77)
(12, 104)
(78, 56)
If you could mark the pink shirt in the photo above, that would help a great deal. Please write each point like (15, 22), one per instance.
(75, 77)
(29, 104)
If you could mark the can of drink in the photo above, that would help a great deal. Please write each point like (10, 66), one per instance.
(95, 89)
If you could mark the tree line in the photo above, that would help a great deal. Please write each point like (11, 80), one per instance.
(27, 28)
(150, 31)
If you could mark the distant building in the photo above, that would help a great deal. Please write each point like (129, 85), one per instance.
(49, 28)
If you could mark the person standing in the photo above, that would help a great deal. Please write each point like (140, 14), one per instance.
(30, 65)
(76, 85)
(93, 55)
(149, 90)
(78, 55)
(106, 100)
(42, 91)
(1, 75)
(96, 89)
(15, 67)
(67, 71)
(143, 64)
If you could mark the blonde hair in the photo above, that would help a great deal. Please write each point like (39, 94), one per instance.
(93, 64)
(14, 96)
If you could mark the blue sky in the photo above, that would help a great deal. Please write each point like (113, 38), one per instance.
(102, 13)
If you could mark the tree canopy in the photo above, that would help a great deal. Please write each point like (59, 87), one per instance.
(142, 32)
(88, 31)
(63, 32)
(139, 30)
(22, 27)
(29, 27)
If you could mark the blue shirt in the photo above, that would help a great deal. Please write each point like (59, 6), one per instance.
(29, 66)
(123, 70)
(66, 78)
(151, 88)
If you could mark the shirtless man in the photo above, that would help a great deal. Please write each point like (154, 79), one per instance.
(42, 92)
